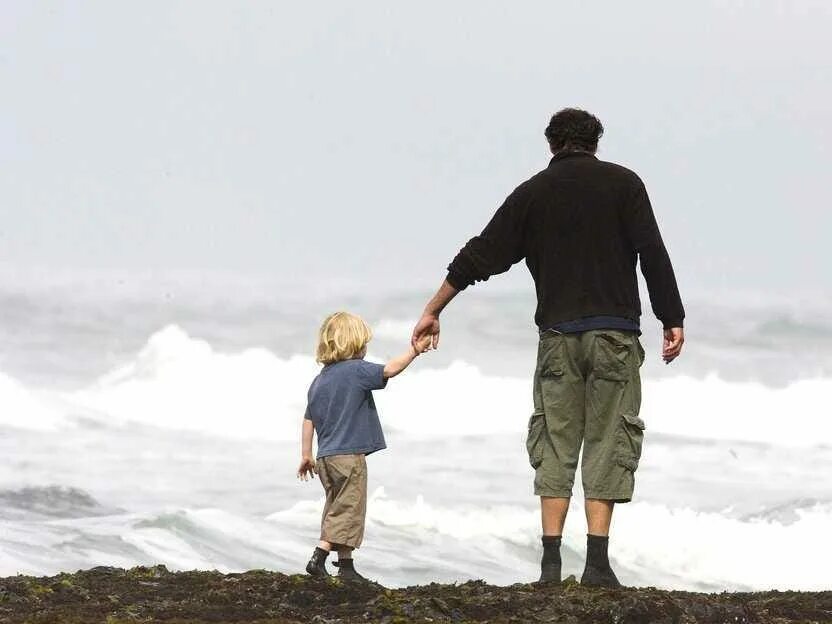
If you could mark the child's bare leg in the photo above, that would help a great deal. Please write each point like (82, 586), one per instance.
(325, 545)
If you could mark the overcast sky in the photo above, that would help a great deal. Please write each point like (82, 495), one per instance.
(369, 140)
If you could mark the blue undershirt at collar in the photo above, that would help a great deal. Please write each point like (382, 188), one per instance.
(596, 322)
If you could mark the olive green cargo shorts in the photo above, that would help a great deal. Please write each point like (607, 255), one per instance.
(587, 390)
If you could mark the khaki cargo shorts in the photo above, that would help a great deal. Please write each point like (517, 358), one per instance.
(344, 478)
(587, 389)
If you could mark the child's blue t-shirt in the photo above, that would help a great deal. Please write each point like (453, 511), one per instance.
(341, 406)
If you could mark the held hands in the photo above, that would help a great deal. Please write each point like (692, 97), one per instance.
(306, 469)
(426, 332)
(421, 345)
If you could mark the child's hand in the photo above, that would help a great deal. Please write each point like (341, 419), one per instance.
(422, 345)
(306, 469)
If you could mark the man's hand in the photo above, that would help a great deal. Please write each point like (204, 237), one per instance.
(674, 338)
(427, 327)
(306, 469)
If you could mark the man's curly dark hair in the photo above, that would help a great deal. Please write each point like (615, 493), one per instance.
(574, 130)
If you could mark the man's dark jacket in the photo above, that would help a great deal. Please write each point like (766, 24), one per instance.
(581, 224)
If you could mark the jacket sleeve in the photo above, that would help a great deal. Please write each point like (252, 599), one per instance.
(501, 244)
(644, 235)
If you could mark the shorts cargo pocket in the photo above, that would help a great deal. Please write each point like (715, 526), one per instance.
(612, 358)
(630, 438)
(535, 439)
(551, 356)
(551, 369)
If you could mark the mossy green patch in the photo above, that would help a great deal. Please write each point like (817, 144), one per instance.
(37, 589)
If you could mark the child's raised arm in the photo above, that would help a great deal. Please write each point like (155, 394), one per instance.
(398, 364)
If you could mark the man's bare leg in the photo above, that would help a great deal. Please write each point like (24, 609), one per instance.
(553, 514)
(598, 518)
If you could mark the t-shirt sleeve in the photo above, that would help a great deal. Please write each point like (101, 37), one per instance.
(370, 375)
(308, 414)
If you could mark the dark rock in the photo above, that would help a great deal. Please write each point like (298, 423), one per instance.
(441, 605)
(151, 594)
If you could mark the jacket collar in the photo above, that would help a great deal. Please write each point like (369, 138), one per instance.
(569, 154)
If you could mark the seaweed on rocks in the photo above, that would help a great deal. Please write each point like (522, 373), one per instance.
(154, 594)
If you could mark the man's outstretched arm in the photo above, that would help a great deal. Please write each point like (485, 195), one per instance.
(428, 325)
(500, 245)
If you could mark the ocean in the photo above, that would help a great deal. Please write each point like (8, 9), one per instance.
(147, 420)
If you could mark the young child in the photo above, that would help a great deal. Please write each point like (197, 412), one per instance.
(342, 412)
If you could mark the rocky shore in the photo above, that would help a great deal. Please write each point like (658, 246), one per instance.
(115, 596)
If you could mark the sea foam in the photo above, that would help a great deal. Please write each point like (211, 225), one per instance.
(180, 382)
(419, 541)
(446, 518)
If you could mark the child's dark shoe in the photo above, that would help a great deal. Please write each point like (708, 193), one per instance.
(347, 572)
(317, 564)
(599, 577)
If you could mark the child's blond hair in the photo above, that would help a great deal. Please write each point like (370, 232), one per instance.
(343, 336)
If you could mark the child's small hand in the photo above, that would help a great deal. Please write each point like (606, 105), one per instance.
(306, 469)
(422, 345)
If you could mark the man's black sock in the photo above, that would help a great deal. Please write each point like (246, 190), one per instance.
(596, 551)
(551, 549)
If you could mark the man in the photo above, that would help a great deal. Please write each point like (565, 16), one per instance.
(581, 224)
